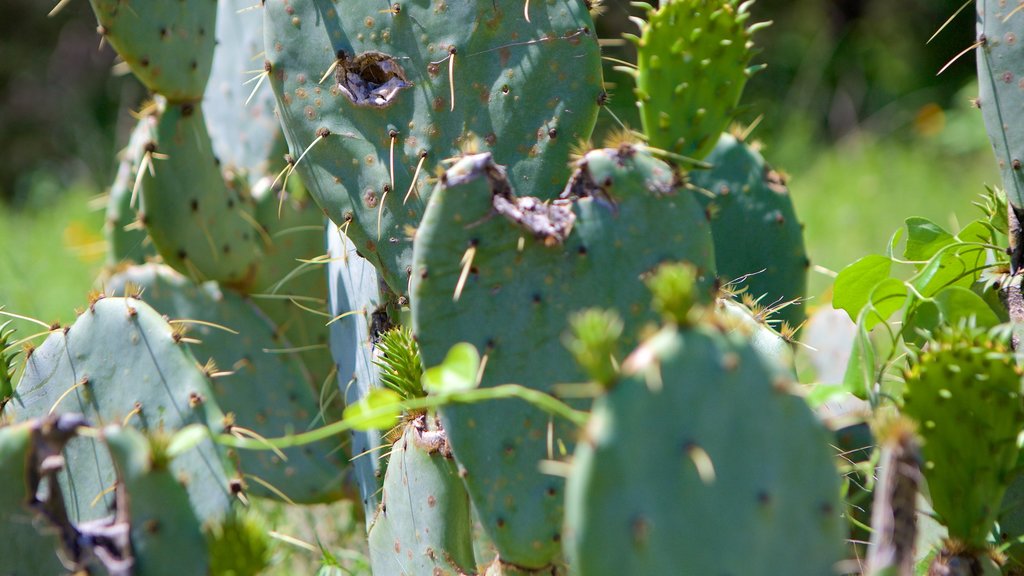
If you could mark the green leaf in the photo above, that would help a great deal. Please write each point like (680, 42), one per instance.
(853, 286)
(822, 393)
(860, 371)
(186, 439)
(458, 372)
(958, 303)
(388, 401)
(886, 298)
(955, 265)
(977, 231)
(924, 239)
(924, 320)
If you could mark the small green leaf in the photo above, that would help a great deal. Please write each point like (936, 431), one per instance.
(887, 297)
(383, 399)
(822, 393)
(853, 286)
(977, 231)
(186, 439)
(860, 371)
(955, 265)
(924, 239)
(922, 322)
(958, 303)
(457, 373)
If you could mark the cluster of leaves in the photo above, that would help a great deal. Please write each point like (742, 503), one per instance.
(940, 278)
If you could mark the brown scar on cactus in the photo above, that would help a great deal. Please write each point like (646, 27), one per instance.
(371, 79)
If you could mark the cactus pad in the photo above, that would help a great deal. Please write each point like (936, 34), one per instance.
(757, 235)
(489, 264)
(121, 362)
(693, 61)
(964, 391)
(526, 90)
(699, 452)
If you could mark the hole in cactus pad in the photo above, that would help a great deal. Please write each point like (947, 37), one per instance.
(370, 79)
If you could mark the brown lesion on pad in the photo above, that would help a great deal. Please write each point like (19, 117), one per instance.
(371, 79)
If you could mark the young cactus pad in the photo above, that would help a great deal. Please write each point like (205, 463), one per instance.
(693, 60)
(757, 236)
(423, 525)
(266, 390)
(964, 391)
(371, 100)
(489, 264)
(717, 469)
(122, 362)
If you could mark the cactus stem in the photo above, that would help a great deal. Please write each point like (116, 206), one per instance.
(415, 176)
(277, 492)
(977, 44)
(467, 263)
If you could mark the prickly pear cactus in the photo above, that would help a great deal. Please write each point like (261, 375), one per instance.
(201, 227)
(168, 45)
(757, 236)
(964, 391)
(166, 535)
(693, 60)
(699, 447)
(122, 362)
(266, 388)
(423, 525)
(1000, 70)
(490, 265)
(372, 99)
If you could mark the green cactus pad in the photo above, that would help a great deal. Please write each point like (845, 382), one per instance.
(166, 534)
(757, 235)
(964, 391)
(121, 361)
(693, 60)
(25, 550)
(525, 90)
(1001, 92)
(126, 242)
(168, 45)
(239, 108)
(268, 391)
(532, 265)
(700, 462)
(200, 226)
(356, 291)
(423, 525)
(284, 284)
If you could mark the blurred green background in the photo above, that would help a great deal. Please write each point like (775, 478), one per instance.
(851, 108)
